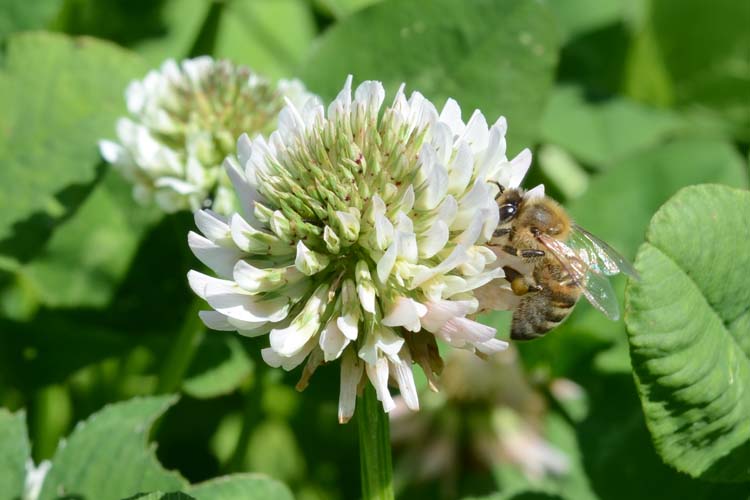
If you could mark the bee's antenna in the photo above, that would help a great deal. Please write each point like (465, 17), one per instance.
(500, 187)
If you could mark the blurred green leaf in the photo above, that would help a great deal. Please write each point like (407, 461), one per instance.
(620, 202)
(221, 366)
(704, 50)
(232, 487)
(273, 450)
(270, 37)
(122, 21)
(241, 487)
(601, 135)
(58, 95)
(342, 8)
(88, 255)
(157, 495)
(107, 456)
(14, 452)
(182, 21)
(22, 16)
(498, 56)
(580, 16)
(51, 348)
(689, 332)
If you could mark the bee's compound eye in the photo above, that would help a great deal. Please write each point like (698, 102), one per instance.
(507, 211)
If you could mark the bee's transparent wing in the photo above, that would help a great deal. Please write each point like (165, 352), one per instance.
(600, 256)
(594, 284)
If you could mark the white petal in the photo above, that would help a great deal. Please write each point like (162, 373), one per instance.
(451, 115)
(229, 299)
(275, 360)
(491, 346)
(370, 94)
(401, 369)
(365, 289)
(439, 312)
(178, 185)
(511, 174)
(461, 170)
(459, 331)
(220, 259)
(216, 321)
(434, 240)
(112, 152)
(245, 192)
(476, 132)
(378, 375)
(309, 262)
(212, 225)
(383, 231)
(386, 262)
(351, 374)
(256, 280)
(244, 149)
(405, 312)
(288, 341)
(341, 106)
(535, 192)
(332, 341)
(380, 340)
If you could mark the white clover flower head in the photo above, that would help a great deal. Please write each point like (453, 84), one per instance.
(360, 237)
(184, 120)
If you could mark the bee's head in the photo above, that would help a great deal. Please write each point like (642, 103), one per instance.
(508, 203)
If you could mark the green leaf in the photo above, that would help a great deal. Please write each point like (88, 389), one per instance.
(616, 449)
(271, 37)
(497, 56)
(158, 495)
(221, 366)
(241, 487)
(58, 95)
(579, 16)
(14, 452)
(689, 330)
(342, 8)
(88, 255)
(602, 135)
(21, 16)
(703, 49)
(107, 456)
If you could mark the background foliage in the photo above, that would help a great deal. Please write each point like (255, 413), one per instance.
(624, 103)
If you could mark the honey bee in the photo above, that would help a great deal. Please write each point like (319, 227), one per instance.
(564, 259)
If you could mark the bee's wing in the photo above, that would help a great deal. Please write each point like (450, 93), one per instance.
(594, 285)
(600, 256)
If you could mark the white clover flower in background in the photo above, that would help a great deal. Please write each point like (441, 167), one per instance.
(360, 237)
(185, 119)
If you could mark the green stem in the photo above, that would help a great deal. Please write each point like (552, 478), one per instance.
(375, 466)
(183, 350)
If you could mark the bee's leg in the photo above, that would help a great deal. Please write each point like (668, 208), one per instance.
(503, 231)
(527, 253)
(519, 283)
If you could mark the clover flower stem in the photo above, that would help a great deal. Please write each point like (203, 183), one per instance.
(183, 350)
(376, 471)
